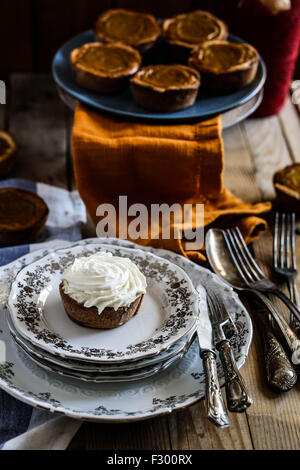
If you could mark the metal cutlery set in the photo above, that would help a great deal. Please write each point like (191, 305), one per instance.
(237, 395)
(219, 321)
(231, 259)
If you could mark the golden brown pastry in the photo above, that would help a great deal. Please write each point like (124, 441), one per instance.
(287, 186)
(89, 317)
(23, 215)
(225, 66)
(186, 31)
(165, 88)
(105, 68)
(138, 30)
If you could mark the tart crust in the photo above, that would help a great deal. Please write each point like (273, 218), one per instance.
(89, 316)
(7, 153)
(104, 68)
(287, 186)
(184, 32)
(139, 30)
(24, 215)
(165, 88)
(225, 66)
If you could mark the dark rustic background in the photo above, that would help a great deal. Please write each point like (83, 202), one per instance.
(32, 30)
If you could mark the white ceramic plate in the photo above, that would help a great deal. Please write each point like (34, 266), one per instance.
(168, 312)
(84, 366)
(108, 377)
(173, 389)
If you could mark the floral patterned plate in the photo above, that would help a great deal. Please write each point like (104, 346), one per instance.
(168, 312)
(173, 389)
(107, 377)
(84, 366)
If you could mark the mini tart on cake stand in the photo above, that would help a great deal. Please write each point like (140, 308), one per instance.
(165, 88)
(23, 215)
(102, 291)
(287, 186)
(184, 32)
(104, 67)
(225, 66)
(138, 30)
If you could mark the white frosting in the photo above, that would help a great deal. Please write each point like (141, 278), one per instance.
(103, 280)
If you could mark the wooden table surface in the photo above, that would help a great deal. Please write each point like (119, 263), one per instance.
(254, 149)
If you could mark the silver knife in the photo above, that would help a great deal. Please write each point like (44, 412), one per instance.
(215, 407)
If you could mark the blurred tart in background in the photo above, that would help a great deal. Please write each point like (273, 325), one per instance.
(225, 66)
(7, 153)
(105, 68)
(165, 88)
(139, 30)
(287, 186)
(23, 215)
(184, 32)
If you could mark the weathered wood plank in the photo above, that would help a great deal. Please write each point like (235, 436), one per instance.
(238, 172)
(271, 418)
(143, 435)
(268, 151)
(274, 418)
(290, 125)
(190, 430)
(37, 122)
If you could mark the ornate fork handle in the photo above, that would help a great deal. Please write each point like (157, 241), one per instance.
(295, 324)
(281, 374)
(238, 398)
(290, 305)
(215, 407)
(291, 338)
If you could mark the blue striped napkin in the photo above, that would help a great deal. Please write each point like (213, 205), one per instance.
(21, 426)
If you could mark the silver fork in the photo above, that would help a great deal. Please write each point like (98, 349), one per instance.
(251, 272)
(237, 395)
(243, 261)
(284, 257)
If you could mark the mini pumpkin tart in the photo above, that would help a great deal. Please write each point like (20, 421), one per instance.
(23, 215)
(287, 185)
(165, 88)
(7, 153)
(225, 66)
(102, 291)
(104, 67)
(138, 30)
(184, 32)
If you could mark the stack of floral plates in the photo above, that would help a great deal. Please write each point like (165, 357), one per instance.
(153, 340)
(147, 367)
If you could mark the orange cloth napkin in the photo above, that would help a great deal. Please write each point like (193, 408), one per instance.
(153, 163)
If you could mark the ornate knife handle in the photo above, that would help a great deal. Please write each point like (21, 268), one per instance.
(215, 407)
(281, 374)
(238, 398)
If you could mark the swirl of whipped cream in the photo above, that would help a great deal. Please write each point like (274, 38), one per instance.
(103, 280)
